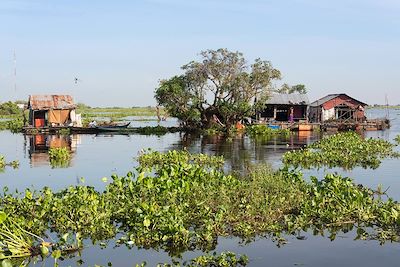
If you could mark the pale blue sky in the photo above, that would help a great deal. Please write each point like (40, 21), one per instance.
(120, 49)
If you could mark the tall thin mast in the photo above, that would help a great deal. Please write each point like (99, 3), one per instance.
(387, 106)
(15, 75)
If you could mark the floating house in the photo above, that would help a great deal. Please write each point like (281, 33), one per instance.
(339, 107)
(279, 107)
(51, 111)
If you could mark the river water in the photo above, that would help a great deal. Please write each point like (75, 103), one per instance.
(98, 156)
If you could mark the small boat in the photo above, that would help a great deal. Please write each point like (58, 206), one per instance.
(112, 127)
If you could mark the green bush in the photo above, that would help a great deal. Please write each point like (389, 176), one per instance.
(9, 108)
(346, 150)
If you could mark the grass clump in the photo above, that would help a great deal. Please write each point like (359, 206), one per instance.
(346, 150)
(59, 157)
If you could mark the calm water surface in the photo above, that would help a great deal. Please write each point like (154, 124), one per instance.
(97, 156)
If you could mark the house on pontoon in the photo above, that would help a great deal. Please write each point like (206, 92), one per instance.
(52, 111)
(338, 107)
(279, 107)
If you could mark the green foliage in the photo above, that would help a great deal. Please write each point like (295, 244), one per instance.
(14, 164)
(175, 97)
(156, 130)
(176, 201)
(65, 131)
(9, 108)
(81, 106)
(336, 203)
(15, 242)
(296, 89)
(14, 125)
(397, 139)
(59, 157)
(225, 259)
(179, 201)
(220, 85)
(346, 150)
(262, 130)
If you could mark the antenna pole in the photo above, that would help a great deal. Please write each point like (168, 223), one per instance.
(387, 106)
(15, 75)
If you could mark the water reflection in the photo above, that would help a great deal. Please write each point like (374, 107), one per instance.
(40, 144)
(99, 156)
(241, 151)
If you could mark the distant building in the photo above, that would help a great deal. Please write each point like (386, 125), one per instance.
(21, 106)
(279, 107)
(51, 110)
(337, 107)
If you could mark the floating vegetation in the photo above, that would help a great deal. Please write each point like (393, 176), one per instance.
(225, 259)
(263, 130)
(336, 203)
(14, 164)
(15, 242)
(346, 150)
(397, 139)
(156, 130)
(177, 201)
(65, 131)
(59, 157)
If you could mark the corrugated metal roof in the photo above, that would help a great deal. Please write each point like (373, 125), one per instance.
(288, 99)
(329, 97)
(46, 102)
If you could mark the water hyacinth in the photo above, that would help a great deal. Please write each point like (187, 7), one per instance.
(177, 201)
(14, 164)
(59, 157)
(346, 150)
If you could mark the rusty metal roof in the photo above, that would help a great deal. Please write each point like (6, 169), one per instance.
(46, 102)
(327, 98)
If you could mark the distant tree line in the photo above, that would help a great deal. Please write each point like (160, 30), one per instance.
(9, 108)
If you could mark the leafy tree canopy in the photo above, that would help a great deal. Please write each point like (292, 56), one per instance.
(9, 108)
(286, 89)
(221, 87)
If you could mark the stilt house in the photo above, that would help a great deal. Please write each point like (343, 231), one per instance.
(51, 110)
(278, 107)
(339, 107)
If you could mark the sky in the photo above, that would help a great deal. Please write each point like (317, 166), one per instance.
(119, 50)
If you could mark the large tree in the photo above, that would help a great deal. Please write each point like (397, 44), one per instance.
(286, 89)
(221, 86)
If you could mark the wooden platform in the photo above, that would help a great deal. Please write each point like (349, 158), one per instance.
(369, 125)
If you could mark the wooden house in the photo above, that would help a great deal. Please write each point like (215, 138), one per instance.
(340, 107)
(51, 110)
(279, 107)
